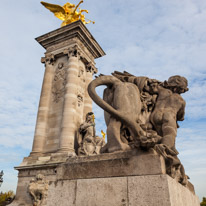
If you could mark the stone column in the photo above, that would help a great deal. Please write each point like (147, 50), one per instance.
(44, 105)
(68, 127)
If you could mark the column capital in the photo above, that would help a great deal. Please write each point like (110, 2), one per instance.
(90, 67)
(50, 59)
(73, 52)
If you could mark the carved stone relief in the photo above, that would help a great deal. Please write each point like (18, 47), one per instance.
(59, 82)
(80, 100)
(81, 73)
(80, 96)
(73, 51)
(38, 189)
(91, 68)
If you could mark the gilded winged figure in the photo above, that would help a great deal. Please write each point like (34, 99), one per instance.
(67, 13)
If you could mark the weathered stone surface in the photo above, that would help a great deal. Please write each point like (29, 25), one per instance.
(113, 165)
(181, 196)
(102, 192)
(125, 179)
(148, 190)
(62, 193)
(145, 190)
(159, 190)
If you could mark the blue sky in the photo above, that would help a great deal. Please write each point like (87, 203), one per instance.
(154, 38)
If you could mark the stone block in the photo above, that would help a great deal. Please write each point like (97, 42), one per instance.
(181, 196)
(47, 158)
(127, 190)
(62, 193)
(148, 190)
(101, 192)
(113, 165)
(159, 190)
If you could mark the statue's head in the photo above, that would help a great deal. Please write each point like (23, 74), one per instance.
(177, 84)
(68, 6)
(90, 116)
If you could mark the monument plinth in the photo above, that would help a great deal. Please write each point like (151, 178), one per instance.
(122, 178)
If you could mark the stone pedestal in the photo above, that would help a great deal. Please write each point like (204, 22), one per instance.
(124, 179)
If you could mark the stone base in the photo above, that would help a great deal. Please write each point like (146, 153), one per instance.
(119, 179)
(151, 190)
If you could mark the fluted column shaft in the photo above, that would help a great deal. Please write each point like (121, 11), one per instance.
(68, 127)
(44, 105)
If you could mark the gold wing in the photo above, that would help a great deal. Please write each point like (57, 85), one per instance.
(58, 11)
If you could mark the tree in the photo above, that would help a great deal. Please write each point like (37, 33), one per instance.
(203, 203)
(6, 198)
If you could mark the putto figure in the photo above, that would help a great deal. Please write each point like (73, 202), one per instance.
(67, 13)
(38, 189)
(170, 108)
(143, 113)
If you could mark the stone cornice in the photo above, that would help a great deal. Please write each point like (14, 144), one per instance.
(74, 30)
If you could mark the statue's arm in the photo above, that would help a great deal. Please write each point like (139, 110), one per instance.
(181, 112)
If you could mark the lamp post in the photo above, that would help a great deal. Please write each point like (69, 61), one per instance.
(1, 177)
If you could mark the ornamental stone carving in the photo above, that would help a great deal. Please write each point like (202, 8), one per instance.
(38, 190)
(51, 59)
(59, 82)
(73, 51)
(91, 68)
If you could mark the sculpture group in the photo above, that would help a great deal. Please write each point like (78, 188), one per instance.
(142, 113)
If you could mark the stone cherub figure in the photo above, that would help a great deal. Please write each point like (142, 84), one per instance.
(38, 189)
(143, 113)
(89, 143)
(169, 108)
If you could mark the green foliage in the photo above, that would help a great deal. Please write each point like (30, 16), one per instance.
(6, 198)
(203, 203)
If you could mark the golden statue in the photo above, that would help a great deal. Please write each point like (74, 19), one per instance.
(68, 13)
